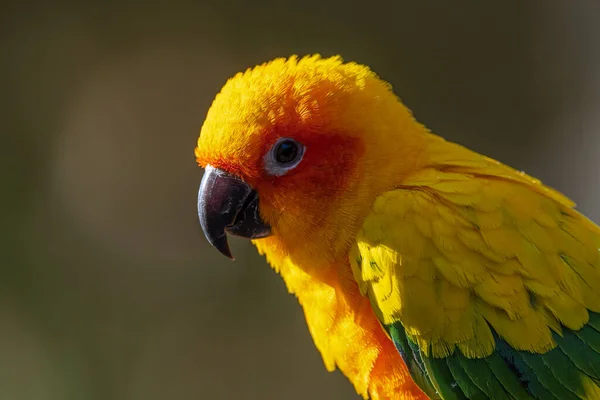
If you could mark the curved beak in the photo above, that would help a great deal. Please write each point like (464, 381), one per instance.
(227, 204)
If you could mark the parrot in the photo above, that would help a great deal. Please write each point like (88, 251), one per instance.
(424, 269)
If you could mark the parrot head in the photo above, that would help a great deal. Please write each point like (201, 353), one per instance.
(295, 152)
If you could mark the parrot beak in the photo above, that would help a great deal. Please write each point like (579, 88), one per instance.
(227, 204)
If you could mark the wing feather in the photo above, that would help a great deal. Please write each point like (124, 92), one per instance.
(490, 272)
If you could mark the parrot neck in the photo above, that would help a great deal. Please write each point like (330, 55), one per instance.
(336, 312)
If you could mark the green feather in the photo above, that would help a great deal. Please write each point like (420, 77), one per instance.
(582, 355)
(564, 370)
(594, 321)
(508, 373)
(529, 376)
(462, 379)
(482, 376)
(546, 377)
(589, 336)
(507, 377)
(417, 372)
(442, 378)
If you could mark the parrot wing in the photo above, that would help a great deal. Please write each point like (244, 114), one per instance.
(487, 282)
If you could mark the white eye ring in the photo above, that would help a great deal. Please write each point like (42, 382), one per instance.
(284, 156)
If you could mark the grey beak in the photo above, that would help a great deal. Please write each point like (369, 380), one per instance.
(227, 204)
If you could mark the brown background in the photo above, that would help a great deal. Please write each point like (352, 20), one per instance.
(107, 288)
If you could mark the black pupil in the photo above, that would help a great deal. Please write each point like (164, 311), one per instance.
(286, 152)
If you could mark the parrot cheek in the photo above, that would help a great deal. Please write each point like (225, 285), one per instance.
(227, 204)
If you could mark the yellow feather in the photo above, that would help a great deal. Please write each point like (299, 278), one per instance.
(590, 240)
(453, 219)
(456, 274)
(453, 297)
(420, 310)
(551, 320)
(570, 313)
(468, 200)
(460, 185)
(537, 235)
(460, 326)
(370, 270)
(474, 241)
(489, 219)
(539, 288)
(426, 271)
(591, 298)
(482, 343)
(590, 388)
(506, 292)
(415, 245)
(475, 254)
(423, 224)
(529, 333)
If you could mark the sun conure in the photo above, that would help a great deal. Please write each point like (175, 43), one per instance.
(424, 269)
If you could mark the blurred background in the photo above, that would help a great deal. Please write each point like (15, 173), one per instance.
(108, 290)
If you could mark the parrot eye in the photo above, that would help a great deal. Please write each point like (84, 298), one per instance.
(285, 155)
(286, 152)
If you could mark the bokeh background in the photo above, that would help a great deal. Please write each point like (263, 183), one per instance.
(108, 289)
